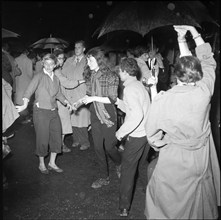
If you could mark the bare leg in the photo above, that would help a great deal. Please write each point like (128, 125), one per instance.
(42, 163)
(52, 159)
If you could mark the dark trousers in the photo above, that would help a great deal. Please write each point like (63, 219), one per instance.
(134, 148)
(105, 145)
(47, 126)
(80, 135)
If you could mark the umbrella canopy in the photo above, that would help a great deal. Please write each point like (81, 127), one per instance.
(50, 43)
(6, 33)
(142, 17)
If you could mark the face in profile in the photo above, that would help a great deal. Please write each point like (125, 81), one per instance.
(92, 63)
(49, 65)
(60, 59)
(122, 74)
(79, 49)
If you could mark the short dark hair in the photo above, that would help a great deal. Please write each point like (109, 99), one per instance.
(130, 66)
(188, 69)
(139, 50)
(81, 42)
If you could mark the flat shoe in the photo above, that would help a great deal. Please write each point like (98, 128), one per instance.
(75, 144)
(124, 213)
(65, 149)
(44, 171)
(58, 170)
(83, 147)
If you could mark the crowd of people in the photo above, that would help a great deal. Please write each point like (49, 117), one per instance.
(167, 111)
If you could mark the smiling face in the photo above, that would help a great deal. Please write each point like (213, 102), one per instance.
(92, 63)
(49, 65)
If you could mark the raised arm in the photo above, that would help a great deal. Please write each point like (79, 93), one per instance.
(203, 52)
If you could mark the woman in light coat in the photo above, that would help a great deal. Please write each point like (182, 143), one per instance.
(186, 181)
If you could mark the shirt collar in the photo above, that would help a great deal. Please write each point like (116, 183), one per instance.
(129, 80)
(79, 58)
(47, 73)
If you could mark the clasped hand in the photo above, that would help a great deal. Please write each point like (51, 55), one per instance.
(20, 108)
(182, 29)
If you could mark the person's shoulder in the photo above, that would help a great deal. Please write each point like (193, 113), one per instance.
(160, 96)
(112, 75)
(38, 75)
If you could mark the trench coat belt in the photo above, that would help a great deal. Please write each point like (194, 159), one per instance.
(46, 109)
(190, 144)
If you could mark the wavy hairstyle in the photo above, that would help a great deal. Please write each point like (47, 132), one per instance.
(99, 55)
(188, 69)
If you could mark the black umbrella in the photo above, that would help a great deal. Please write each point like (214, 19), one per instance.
(142, 17)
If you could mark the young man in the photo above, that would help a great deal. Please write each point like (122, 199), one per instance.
(73, 69)
(135, 104)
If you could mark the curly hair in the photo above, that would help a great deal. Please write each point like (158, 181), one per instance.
(188, 69)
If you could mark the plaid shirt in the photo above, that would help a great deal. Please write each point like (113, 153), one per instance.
(109, 83)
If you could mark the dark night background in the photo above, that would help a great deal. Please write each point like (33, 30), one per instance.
(68, 20)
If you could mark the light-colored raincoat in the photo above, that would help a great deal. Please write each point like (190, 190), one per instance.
(186, 181)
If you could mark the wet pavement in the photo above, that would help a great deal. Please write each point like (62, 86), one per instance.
(68, 195)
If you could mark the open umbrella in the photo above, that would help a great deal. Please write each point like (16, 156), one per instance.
(142, 17)
(6, 33)
(50, 43)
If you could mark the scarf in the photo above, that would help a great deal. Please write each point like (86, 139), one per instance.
(100, 110)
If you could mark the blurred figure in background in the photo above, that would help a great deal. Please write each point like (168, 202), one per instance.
(15, 70)
(9, 115)
(22, 82)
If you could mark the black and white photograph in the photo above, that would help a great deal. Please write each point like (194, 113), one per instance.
(110, 110)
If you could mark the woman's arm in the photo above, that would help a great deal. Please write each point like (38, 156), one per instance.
(29, 92)
(181, 32)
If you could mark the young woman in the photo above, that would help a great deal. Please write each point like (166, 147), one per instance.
(102, 86)
(46, 87)
(186, 181)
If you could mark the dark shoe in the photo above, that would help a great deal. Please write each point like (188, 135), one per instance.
(10, 136)
(43, 171)
(84, 147)
(75, 144)
(100, 182)
(65, 149)
(56, 169)
(124, 213)
(118, 171)
(26, 121)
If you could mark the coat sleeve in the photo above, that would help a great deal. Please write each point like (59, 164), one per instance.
(32, 86)
(208, 63)
(65, 82)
